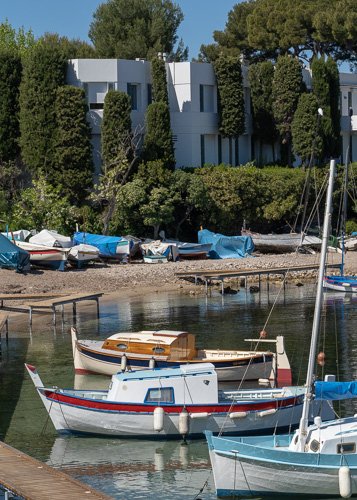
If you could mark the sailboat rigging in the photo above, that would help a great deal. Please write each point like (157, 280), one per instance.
(319, 460)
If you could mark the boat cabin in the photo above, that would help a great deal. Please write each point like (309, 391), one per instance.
(185, 384)
(166, 343)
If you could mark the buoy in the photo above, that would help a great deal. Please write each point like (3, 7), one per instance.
(321, 358)
(238, 414)
(123, 363)
(152, 363)
(158, 419)
(263, 334)
(344, 482)
(183, 422)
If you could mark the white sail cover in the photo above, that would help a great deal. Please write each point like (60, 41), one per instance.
(51, 239)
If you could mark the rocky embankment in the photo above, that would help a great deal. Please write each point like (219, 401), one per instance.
(136, 277)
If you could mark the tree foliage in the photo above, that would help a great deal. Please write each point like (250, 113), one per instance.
(230, 96)
(72, 145)
(158, 142)
(286, 90)
(44, 71)
(159, 81)
(261, 81)
(307, 142)
(116, 125)
(265, 29)
(17, 42)
(127, 29)
(68, 48)
(10, 78)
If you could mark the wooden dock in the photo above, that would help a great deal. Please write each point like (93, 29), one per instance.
(25, 296)
(209, 275)
(31, 479)
(52, 304)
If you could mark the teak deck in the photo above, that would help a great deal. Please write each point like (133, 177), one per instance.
(33, 480)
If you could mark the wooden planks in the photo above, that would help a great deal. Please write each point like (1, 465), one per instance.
(34, 480)
(25, 296)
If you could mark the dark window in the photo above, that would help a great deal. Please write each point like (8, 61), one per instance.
(133, 93)
(110, 86)
(202, 102)
(314, 445)
(158, 350)
(163, 395)
(236, 152)
(96, 105)
(230, 151)
(149, 93)
(202, 150)
(219, 149)
(346, 448)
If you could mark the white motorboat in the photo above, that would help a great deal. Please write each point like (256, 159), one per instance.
(45, 256)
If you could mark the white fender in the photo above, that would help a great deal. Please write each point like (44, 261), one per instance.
(158, 419)
(265, 413)
(152, 363)
(202, 414)
(123, 363)
(344, 482)
(238, 414)
(183, 422)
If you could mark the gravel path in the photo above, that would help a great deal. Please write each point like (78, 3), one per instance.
(135, 277)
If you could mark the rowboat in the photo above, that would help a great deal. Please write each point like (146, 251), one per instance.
(168, 349)
(45, 256)
(173, 402)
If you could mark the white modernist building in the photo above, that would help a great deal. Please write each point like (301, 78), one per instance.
(192, 92)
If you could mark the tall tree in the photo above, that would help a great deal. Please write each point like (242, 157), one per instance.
(128, 29)
(15, 41)
(69, 48)
(10, 77)
(307, 142)
(230, 96)
(43, 72)
(116, 126)
(158, 142)
(261, 81)
(286, 90)
(72, 147)
(159, 81)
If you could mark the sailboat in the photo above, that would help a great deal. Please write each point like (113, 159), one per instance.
(342, 283)
(318, 460)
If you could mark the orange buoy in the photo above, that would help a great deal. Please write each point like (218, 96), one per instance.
(263, 334)
(321, 358)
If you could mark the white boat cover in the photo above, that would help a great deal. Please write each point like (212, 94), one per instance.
(19, 235)
(51, 239)
(158, 247)
(84, 252)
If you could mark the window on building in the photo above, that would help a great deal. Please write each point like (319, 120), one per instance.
(202, 150)
(96, 105)
(206, 98)
(132, 90)
(236, 152)
(162, 395)
(149, 93)
(111, 86)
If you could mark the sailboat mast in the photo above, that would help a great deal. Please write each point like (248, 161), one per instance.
(344, 211)
(304, 422)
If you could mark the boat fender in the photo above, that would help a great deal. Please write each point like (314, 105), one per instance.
(263, 381)
(183, 422)
(344, 482)
(152, 363)
(265, 413)
(159, 419)
(203, 414)
(238, 414)
(123, 363)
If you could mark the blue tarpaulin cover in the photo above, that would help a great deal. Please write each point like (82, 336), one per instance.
(107, 245)
(335, 390)
(11, 256)
(226, 247)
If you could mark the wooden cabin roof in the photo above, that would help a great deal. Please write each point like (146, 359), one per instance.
(163, 337)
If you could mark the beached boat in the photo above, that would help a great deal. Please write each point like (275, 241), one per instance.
(110, 247)
(80, 255)
(319, 460)
(168, 348)
(45, 256)
(171, 402)
(51, 239)
(281, 243)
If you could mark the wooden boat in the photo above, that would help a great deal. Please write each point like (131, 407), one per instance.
(168, 348)
(45, 256)
(172, 402)
(319, 460)
(155, 259)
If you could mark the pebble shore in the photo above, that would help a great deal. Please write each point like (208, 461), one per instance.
(137, 278)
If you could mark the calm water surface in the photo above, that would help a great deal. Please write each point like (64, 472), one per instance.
(135, 469)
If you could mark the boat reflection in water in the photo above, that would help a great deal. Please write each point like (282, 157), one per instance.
(121, 467)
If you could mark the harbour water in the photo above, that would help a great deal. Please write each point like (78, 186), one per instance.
(136, 469)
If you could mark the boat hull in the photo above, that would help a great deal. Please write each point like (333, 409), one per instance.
(71, 414)
(241, 470)
(91, 359)
(42, 256)
(341, 283)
